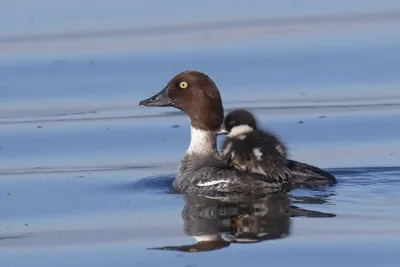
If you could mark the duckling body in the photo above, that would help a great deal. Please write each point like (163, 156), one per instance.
(250, 149)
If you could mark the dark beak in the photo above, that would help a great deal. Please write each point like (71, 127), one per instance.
(160, 99)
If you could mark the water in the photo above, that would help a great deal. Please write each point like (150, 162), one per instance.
(85, 173)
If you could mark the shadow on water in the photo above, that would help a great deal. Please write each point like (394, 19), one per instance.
(216, 224)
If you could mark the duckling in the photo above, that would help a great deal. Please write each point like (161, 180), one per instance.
(250, 149)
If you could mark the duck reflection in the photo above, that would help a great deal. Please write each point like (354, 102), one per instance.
(215, 224)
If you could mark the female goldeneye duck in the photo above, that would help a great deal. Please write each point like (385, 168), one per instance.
(251, 149)
(202, 169)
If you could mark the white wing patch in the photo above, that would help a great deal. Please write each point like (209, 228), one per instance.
(210, 183)
(207, 238)
(257, 153)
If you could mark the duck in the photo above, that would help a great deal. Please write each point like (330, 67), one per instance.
(251, 149)
(202, 170)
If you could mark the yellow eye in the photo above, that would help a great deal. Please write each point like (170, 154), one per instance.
(183, 85)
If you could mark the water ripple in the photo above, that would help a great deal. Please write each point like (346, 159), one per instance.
(160, 184)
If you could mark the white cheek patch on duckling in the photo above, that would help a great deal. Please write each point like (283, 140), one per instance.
(240, 130)
(257, 153)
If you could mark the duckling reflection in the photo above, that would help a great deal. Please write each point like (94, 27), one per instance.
(263, 220)
(215, 224)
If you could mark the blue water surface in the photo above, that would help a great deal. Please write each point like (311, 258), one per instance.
(85, 173)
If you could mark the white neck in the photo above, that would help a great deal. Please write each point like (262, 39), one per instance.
(239, 130)
(202, 142)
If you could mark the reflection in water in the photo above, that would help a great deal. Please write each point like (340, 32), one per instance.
(215, 224)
